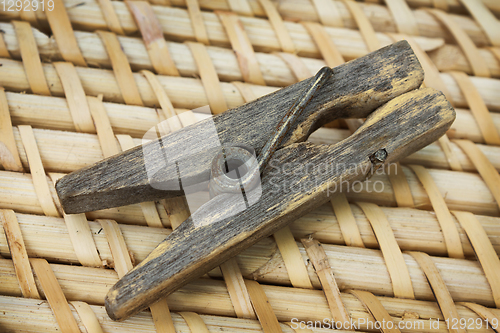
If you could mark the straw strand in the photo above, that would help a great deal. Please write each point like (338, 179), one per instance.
(37, 171)
(279, 27)
(63, 32)
(478, 108)
(483, 249)
(209, 78)
(31, 60)
(243, 49)
(19, 255)
(152, 36)
(9, 155)
(329, 285)
(443, 214)
(121, 68)
(110, 16)
(55, 296)
(439, 290)
(346, 220)
(396, 266)
(75, 96)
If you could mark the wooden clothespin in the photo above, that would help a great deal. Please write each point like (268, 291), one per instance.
(380, 87)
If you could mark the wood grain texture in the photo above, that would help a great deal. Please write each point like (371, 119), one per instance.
(211, 235)
(355, 89)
